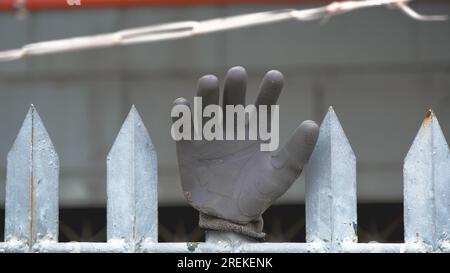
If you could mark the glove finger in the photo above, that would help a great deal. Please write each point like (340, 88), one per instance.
(300, 146)
(235, 86)
(180, 101)
(208, 90)
(234, 89)
(270, 88)
(288, 162)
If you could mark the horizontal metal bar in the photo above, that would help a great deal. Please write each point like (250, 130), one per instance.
(193, 247)
(70, 247)
(82, 247)
(282, 248)
(201, 247)
(14, 246)
(383, 248)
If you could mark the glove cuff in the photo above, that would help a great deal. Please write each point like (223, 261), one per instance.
(252, 229)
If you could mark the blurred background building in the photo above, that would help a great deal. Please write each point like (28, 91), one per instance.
(379, 69)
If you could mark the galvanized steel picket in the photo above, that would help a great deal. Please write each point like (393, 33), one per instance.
(31, 208)
(331, 187)
(427, 187)
(132, 205)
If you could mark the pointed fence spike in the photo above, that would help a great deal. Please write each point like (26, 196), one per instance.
(331, 187)
(426, 173)
(31, 208)
(132, 206)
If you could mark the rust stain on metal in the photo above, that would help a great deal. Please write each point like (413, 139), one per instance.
(31, 181)
(428, 117)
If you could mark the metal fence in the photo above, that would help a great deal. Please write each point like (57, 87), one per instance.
(31, 223)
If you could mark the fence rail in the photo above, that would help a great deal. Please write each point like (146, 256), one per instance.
(31, 218)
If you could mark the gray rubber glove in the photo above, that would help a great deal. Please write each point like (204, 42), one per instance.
(231, 183)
